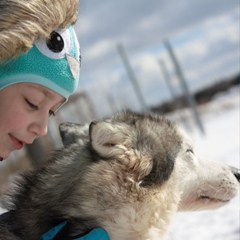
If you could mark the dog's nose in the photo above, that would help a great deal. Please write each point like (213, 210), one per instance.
(236, 173)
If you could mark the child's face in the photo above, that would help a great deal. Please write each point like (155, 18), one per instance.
(24, 112)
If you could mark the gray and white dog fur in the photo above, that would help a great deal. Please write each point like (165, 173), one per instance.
(128, 174)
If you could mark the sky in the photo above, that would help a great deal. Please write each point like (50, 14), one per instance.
(204, 35)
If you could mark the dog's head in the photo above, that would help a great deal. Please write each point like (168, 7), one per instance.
(145, 155)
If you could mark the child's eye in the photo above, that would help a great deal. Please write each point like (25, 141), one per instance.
(31, 105)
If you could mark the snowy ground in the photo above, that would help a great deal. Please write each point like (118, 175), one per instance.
(220, 143)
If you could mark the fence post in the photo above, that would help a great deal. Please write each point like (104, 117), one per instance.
(190, 98)
(132, 77)
(171, 89)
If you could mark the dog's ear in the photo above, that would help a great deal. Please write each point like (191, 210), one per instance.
(109, 139)
(73, 133)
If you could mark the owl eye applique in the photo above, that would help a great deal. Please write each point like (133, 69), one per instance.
(57, 46)
(55, 43)
(61, 45)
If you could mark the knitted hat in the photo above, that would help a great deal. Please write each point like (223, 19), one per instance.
(53, 63)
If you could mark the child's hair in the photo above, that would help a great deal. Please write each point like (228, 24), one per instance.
(23, 21)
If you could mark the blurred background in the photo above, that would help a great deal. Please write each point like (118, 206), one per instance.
(204, 35)
(177, 58)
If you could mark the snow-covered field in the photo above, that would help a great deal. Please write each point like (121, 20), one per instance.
(220, 143)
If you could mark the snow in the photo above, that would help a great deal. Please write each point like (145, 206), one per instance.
(220, 143)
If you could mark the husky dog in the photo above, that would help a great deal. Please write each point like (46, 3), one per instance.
(128, 174)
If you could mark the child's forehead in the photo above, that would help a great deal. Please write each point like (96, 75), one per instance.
(41, 89)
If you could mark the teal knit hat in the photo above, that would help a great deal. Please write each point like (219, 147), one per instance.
(53, 63)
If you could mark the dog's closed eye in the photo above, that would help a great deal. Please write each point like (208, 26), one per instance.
(190, 150)
(109, 144)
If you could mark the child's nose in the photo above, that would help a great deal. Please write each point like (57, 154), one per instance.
(40, 126)
(42, 131)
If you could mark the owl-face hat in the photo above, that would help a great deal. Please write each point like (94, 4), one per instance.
(53, 63)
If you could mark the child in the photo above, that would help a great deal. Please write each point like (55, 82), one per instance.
(39, 70)
(33, 86)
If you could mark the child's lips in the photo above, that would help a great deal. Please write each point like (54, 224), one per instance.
(17, 144)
